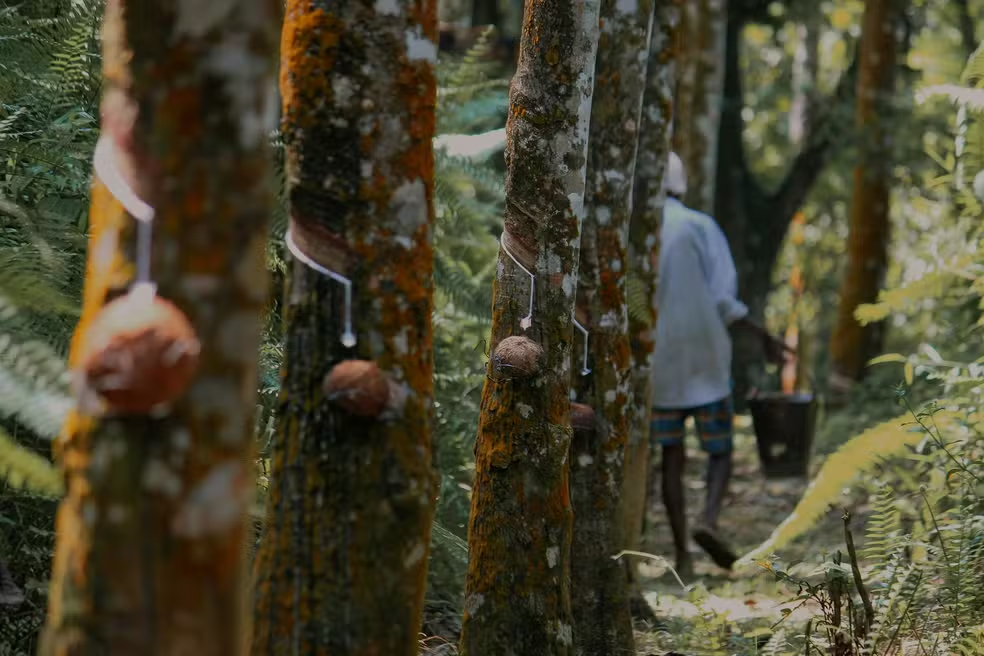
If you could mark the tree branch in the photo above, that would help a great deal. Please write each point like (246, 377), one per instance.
(732, 162)
(824, 137)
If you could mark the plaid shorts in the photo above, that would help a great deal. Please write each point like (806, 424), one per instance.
(714, 425)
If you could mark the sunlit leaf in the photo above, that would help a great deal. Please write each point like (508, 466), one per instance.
(888, 357)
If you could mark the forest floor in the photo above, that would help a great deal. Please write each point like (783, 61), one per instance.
(732, 612)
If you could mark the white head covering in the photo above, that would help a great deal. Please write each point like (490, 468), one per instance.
(675, 176)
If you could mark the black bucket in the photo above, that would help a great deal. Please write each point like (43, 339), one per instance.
(784, 425)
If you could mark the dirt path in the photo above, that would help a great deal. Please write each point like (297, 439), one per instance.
(728, 612)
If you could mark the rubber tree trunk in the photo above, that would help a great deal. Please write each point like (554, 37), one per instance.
(700, 75)
(602, 624)
(517, 594)
(149, 556)
(852, 344)
(343, 562)
(643, 254)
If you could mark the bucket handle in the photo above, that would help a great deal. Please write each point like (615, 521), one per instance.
(811, 384)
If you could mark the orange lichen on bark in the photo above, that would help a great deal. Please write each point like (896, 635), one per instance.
(343, 565)
(643, 259)
(149, 552)
(599, 599)
(106, 267)
(522, 499)
(517, 594)
(310, 41)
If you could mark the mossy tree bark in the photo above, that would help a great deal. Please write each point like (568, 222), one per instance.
(342, 565)
(602, 624)
(517, 599)
(149, 556)
(699, 94)
(852, 344)
(643, 256)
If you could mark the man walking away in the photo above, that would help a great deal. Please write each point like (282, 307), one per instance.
(697, 306)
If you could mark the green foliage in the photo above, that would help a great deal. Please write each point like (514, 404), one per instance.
(47, 131)
(472, 90)
(637, 300)
(24, 469)
(49, 89)
(924, 542)
(469, 198)
(859, 456)
(884, 530)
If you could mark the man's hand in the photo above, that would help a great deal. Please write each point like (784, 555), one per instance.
(776, 350)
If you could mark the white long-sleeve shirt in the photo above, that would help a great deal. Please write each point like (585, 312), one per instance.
(696, 300)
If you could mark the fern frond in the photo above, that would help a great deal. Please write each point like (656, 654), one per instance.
(25, 470)
(455, 208)
(881, 540)
(461, 167)
(638, 300)
(43, 412)
(896, 605)
(470, 70)
(24, 284)
(455, 545)
(973, 72)
(857, 457)
(939, 283)
(970, 644)
(972, 99)
(472, 89)
(778, 644)
(468, 293)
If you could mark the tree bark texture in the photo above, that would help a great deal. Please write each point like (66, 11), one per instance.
(700, 83)
(643, 257)
(602, 624)
(852, 344)
(517, 596)
(343, 562)
(150, 536)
